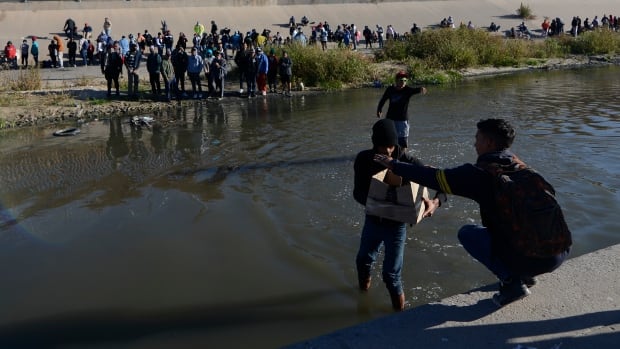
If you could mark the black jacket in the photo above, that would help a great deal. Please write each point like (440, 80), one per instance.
(365, 167)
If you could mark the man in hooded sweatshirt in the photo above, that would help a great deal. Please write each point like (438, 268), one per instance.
(500, 251)
(379, 231)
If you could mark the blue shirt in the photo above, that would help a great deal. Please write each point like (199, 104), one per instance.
(195, 64)
(124, 44)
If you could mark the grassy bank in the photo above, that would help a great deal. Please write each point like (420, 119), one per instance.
(431, 57)
(436, 56)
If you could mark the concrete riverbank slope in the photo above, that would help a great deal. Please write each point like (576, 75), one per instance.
(577, 306)
(44, 18)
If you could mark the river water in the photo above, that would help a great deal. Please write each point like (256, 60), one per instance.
(238, 227)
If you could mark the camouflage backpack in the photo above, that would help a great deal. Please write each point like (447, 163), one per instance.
(527, 212)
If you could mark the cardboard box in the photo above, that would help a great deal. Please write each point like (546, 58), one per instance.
(388, 198)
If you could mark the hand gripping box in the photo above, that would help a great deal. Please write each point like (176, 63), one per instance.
(389, 198)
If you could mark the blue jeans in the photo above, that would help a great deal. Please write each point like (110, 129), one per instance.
(402, 128)
(133, 80)
(169, 88)
(391, 234)
(476, 240)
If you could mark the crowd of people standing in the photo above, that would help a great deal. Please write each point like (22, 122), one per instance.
(168, 62)
(210, 50)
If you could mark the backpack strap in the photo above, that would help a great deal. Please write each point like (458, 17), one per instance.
(496, 169)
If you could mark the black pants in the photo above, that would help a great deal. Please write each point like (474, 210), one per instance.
(112, 78)
(180, 76)
(155, 83)
(196, 85)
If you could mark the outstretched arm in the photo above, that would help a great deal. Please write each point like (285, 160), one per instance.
(382, 101)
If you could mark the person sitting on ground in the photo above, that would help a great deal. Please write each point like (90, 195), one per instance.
(523, 31)
(586, 24)
(10, 52)
(494, 27)
(69, 28)
(512, 33)
(451, 23)
(87, 31)
(107, 26)
(545, 26)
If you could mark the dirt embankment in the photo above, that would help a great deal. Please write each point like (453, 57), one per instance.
(79, 94)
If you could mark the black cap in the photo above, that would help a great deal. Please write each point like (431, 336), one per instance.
(384, 133)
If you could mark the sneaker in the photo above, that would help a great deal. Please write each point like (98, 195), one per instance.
(510, 291)
(240, 91)
(264, 93)
(529, 281)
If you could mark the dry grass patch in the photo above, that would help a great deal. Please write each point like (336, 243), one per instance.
(20, 80)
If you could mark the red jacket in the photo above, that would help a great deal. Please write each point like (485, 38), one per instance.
(10, 51)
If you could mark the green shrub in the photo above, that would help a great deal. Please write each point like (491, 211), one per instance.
(331, 69)
(554, 48)
(525, 12)
(595, 42)
(422, 73)
(447, 49)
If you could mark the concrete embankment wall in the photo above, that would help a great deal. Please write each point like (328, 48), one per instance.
(577, 306)
(220, 2)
